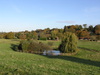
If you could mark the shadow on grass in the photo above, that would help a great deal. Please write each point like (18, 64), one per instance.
(89, 49)
(14, 47)
(77, 60)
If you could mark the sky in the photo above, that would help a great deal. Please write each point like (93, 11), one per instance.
(21, 15)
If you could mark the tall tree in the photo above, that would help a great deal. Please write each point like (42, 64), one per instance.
(69, 43)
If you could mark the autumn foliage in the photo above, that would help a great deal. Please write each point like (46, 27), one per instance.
(82, 32)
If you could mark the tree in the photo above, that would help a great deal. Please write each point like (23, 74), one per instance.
(79, 27)
(97, 29)
(71, 28)
(10, 35)
(65, 29)
(85, 26)
(54, 33)
(22, 36)
(2, 35)
(47, 30)
(42, 36)
(91, 30)
(17, 34)
(83, 34)
(60, 35)
(69, 43)
(35, 35)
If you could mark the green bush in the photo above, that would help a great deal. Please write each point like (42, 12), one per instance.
(24, 45)
(69, 43)
(44, 46)
(33, 46)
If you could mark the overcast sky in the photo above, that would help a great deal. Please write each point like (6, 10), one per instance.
(20, 15)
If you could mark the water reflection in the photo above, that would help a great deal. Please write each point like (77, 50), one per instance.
(51, 52)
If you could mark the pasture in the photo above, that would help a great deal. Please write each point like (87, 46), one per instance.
(17, 63)
(83, 44)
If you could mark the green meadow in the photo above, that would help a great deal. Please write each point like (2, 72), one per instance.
(89, 45)
(85, 62)
(83, 44)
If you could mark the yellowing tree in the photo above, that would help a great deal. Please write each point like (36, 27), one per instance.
(10, 35)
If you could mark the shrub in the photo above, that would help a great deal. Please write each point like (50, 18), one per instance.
(44, 46)
(32, 46)
(69, 43)
(24, 45)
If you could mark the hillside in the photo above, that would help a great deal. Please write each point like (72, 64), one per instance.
(17, 63)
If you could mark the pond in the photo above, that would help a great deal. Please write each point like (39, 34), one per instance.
(51, 52)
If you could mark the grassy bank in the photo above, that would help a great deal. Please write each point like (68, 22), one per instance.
(17, 63)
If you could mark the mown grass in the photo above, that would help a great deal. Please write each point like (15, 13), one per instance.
(17, 63)
(90, 45)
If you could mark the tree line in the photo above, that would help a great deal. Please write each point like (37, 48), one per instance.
(81, 31)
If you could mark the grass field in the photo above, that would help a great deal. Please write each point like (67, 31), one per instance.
(83, 44)
(17, 63)
(91, 45)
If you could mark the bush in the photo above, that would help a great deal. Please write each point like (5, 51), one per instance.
(33, 46)
(25, 45)
(69, 43)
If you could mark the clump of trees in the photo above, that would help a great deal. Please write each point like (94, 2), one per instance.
(82, 32)
(69, 36)
(69, 43)
(32, 46)
(10, 35)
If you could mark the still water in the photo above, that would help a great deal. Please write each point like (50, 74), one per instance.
(51, 52)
